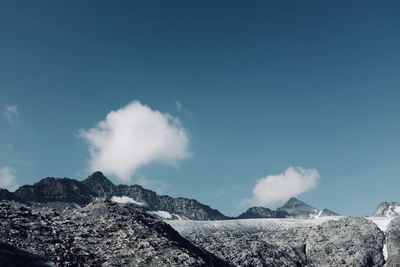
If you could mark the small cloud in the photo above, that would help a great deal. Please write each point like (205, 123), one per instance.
(134, 136)
(182, 109)
(7, 178)
(12, 115)
(178, 105)
(279, 188)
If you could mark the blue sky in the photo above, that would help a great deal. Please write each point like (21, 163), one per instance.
(261, 86)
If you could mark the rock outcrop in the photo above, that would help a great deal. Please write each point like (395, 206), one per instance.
(355, 242)
(393, 243)
(344, 242)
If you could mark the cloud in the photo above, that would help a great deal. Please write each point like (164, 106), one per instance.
(12, 115)
(134, 136)
(279, 188)
(7, 178)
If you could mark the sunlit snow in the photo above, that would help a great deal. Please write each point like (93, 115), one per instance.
(125, 199)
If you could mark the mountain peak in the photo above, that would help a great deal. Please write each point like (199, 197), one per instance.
(99, 184)
(294, 202)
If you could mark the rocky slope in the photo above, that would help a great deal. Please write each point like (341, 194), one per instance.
(343, 242)
(101, 234)
(188, 208)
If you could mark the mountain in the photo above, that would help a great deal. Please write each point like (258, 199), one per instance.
(298, 209)
(66, 192)
(386, 209)
(261, 212)
(56, 190)
(188, 208)
(293, 208)
(102, 233)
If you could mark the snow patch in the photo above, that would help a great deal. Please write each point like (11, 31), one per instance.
(125, 200)
(162, 214)
(385, 252)
(381, 222)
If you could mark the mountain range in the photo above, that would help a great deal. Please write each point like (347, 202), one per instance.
(66, 192)
(93, 222)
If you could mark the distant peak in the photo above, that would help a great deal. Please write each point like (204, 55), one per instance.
(293, 200)
(98, 175)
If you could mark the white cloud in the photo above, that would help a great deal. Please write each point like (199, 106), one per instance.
(134, 136)
(279, 188)
(12, 115)
(7, 178)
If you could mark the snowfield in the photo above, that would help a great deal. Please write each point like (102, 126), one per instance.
(246, 225)
(186, 227)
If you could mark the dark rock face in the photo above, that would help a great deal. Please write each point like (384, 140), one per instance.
(7, 195)
(101, 234)
(189, 208)
(99, 184)
(261, 212)
(56, 190)
(13, 257)
(347, 242)
(393, 243)
(297, 208)
(343, 242)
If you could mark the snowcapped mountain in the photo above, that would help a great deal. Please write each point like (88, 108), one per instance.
(293, 208)
(386, 209)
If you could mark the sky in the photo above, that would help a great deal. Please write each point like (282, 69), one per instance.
(232, 103)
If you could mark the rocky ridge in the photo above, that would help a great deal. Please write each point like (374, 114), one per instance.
(65, 192)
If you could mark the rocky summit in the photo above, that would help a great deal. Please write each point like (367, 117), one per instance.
(293, 208)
